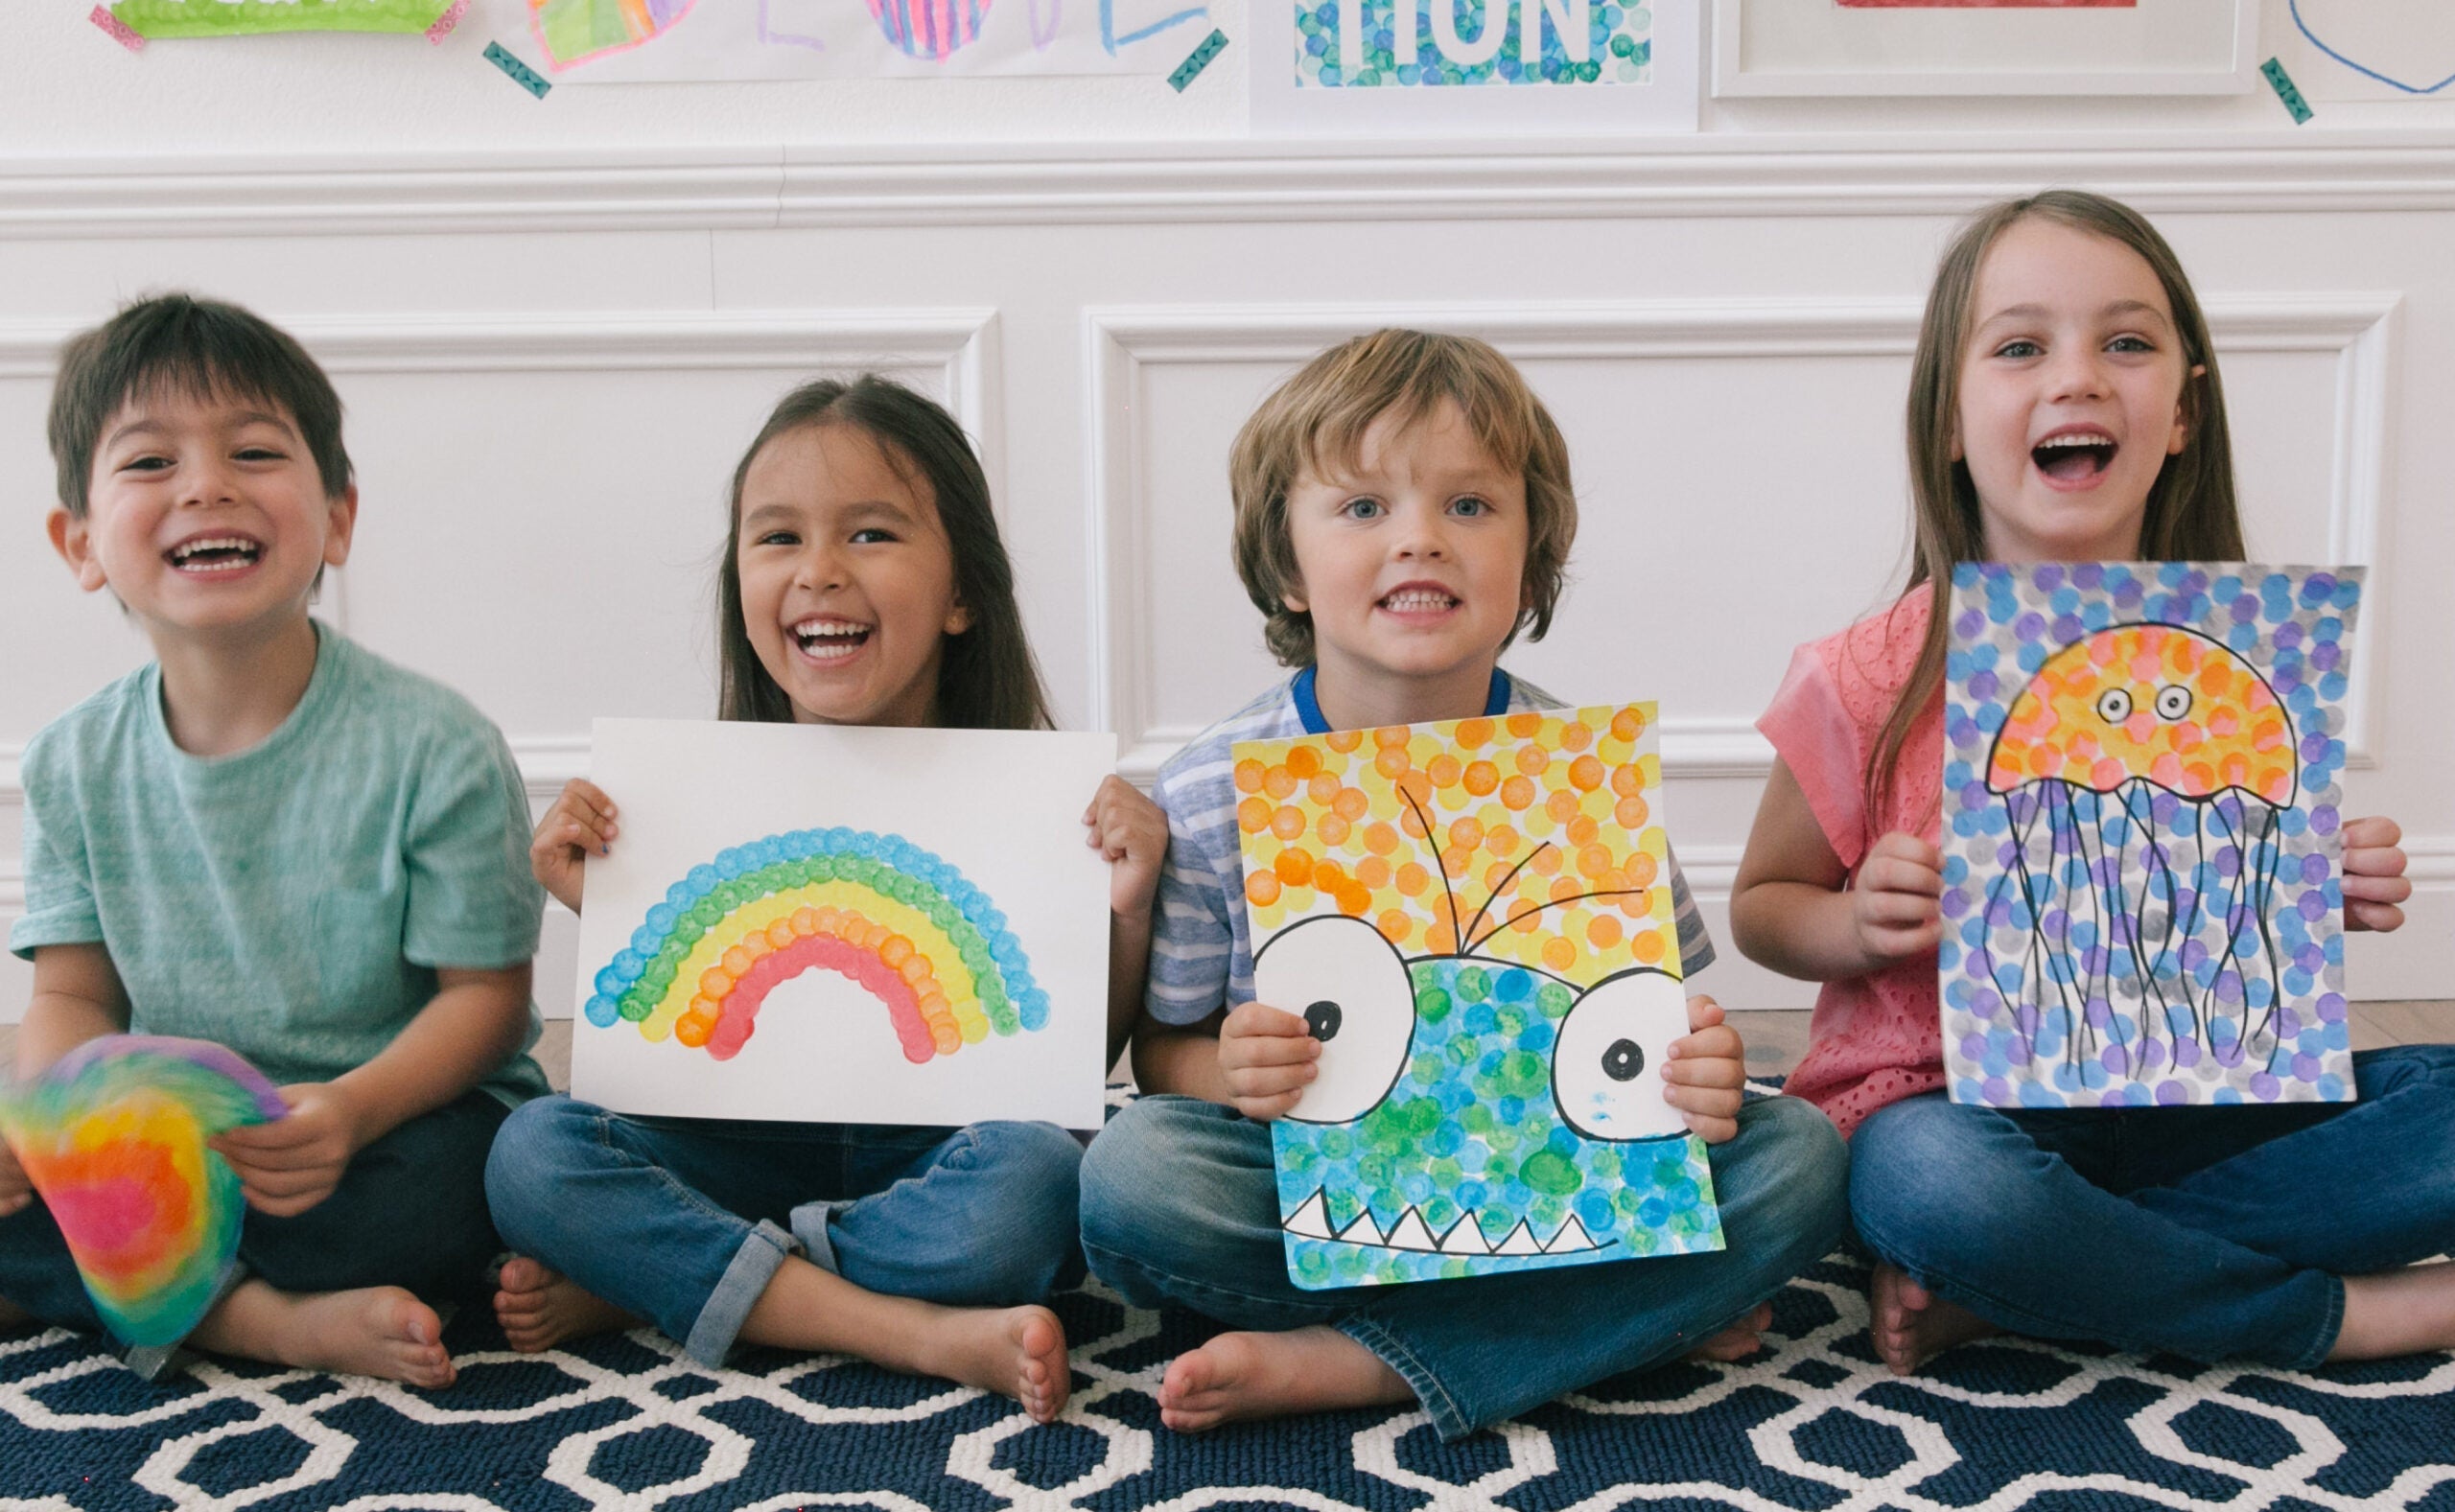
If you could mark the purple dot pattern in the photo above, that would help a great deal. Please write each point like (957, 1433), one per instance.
(2139, 947)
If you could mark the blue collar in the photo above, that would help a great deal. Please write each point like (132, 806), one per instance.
(1308, 707)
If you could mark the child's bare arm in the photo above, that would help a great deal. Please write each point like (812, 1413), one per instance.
(1256, 1058)
(473, 1023)
(1131, 832)
(78, 996)
(1789, 910)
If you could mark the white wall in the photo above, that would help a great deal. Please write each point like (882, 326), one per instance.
(555, 324)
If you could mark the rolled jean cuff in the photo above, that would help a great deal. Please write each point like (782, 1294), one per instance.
(810, 1230)
(2324, 1342)
(1448, 1419)
(745, 1280)
(154, 1362)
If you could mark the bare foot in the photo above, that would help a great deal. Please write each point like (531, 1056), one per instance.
(1238, 1376)
(539, 1308)
(376, 1331)
(2398, 1312)
(1911, 1325)
(1738, 1341)
(1017, 1352)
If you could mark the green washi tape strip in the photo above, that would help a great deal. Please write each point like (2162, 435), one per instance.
(1191, 68)
(525, 76)
(2281, 82)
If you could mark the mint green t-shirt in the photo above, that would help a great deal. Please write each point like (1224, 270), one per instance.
(293, 900)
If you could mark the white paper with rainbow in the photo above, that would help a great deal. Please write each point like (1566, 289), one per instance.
(874, 926)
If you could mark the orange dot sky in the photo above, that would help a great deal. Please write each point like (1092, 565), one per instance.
(1545, 848)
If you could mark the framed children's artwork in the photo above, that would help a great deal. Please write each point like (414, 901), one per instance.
(1475, 919)
(2142, 834)
(845, 925)
(1484, 67)
(642, 42)
(1984, 47)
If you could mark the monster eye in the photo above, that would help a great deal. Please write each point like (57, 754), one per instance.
(2172, 703)
(1360, 1003)
(1606, 1070)
(2114, 706)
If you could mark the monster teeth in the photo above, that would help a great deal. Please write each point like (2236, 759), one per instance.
(1520, 1242)
(1465, 1237)
(1411, 1234)
(1312, 1221)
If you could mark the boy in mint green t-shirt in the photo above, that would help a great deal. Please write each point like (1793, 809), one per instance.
(274, 840)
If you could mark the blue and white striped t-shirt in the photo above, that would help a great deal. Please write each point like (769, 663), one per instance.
(1202, 949)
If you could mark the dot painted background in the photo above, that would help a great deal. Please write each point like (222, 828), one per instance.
(1544, 859)
(1619, 46)
(2047, 1003)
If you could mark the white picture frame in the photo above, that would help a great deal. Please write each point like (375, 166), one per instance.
(1667, 103)
(1819, 47)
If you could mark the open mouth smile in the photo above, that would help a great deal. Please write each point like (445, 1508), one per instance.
(1418, 599)
(827, 638)
(2076, 455)
(1411, 1235)
(207, 555)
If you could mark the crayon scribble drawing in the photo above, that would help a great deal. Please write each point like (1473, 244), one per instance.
(641, 41)
(2140, 832)
(1474, 919)
(113, 1136)
(902, 923)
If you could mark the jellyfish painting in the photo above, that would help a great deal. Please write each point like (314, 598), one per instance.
(2141, 899)
(2156, 740)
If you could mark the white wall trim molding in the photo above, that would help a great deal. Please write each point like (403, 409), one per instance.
(961, 342)
(1119, 343)
(1718, 173)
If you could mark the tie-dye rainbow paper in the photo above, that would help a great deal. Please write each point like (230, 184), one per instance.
(113, 1138)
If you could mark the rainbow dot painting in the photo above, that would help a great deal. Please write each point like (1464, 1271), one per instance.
(826, 924)
(2141, 833)
(1475, 919)
(113, 1137)
(901, 922)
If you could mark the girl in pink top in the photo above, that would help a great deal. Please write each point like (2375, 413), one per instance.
(2212, 1233)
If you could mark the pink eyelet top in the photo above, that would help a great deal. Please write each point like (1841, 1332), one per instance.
(1875, 1040)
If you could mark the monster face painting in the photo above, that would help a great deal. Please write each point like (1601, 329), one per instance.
(2141, 834)
(1475, 919)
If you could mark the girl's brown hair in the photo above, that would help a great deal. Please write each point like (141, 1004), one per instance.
(1315, 421)
(2191, 514)
(986, 677)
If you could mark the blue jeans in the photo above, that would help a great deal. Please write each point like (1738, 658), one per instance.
(684, 1220)
(411, 1211)
(2212, 1233)
(1181, 1204)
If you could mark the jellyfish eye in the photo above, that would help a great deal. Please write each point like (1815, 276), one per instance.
(2172, 703)
(2114, 706)
(1361, 1006)
(1606, 1069)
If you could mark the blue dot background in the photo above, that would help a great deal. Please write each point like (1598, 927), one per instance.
(1470, 1128)
(1619, 46)
(2295, 626)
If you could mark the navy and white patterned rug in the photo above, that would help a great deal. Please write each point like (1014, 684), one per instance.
(1813, 1422)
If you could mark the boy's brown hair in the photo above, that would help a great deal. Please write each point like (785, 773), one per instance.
(202, 347)
(1315, 423)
